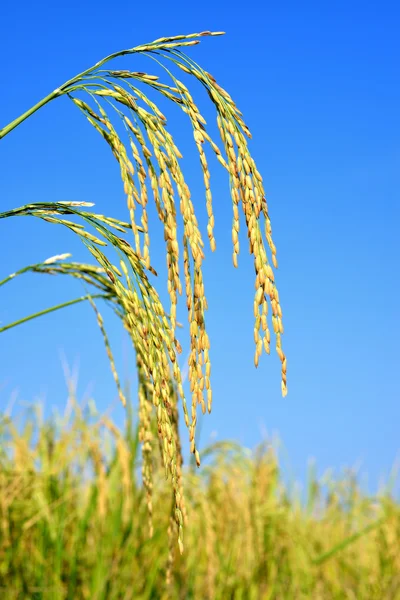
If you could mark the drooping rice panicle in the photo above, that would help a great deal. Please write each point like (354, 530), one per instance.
(148, 157)
(246, 182)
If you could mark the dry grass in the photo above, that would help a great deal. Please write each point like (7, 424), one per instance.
(73, 522)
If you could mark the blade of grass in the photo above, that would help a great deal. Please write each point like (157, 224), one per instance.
(347, 542)
(50, 310)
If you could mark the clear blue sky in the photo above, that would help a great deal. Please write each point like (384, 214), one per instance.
(319, 86)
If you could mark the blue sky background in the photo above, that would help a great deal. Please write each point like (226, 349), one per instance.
(319, 87)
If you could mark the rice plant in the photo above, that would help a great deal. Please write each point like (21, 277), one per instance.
(149, 163)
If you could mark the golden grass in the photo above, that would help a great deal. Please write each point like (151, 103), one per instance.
(73, 522)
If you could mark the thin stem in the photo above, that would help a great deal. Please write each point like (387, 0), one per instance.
(28, 113)
(13, 275)
(59, 92)
(49, 310)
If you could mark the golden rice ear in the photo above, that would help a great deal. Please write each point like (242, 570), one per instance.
(156, 159)
(150, 166)
(160, 165)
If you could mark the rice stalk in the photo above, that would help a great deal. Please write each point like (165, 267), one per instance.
(118, 90)
(150, 166)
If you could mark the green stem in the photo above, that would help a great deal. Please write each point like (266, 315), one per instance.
(59, 92)
(49, 310)
(13, 275)
(28, 113)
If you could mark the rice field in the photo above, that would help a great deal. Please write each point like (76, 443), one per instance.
(90, 511)
(74, 522)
